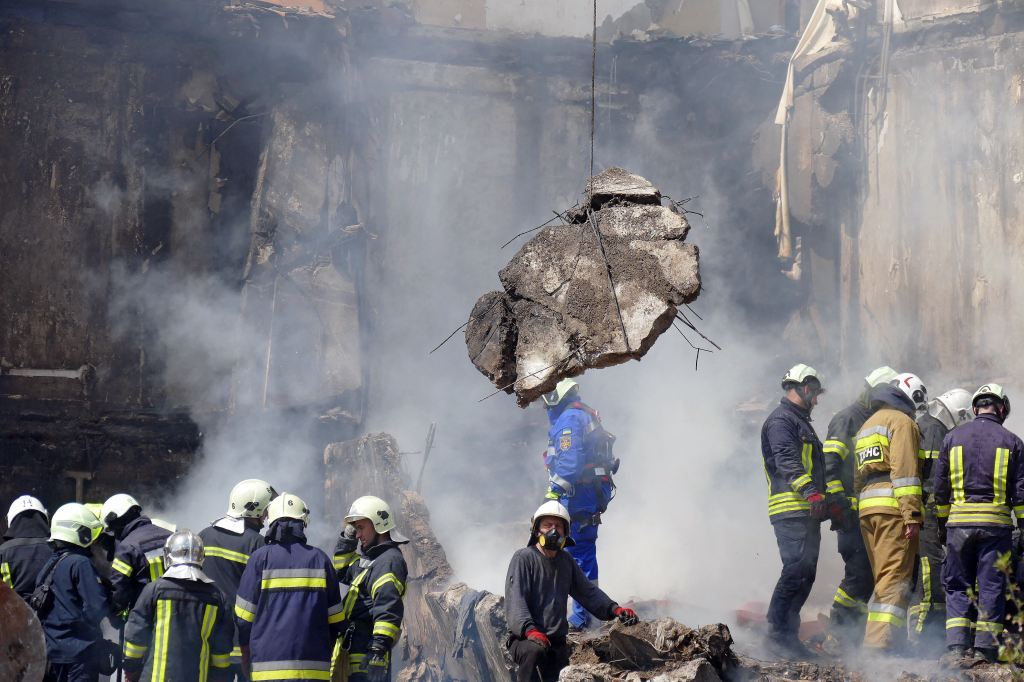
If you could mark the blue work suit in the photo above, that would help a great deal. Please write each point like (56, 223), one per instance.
(570, 463)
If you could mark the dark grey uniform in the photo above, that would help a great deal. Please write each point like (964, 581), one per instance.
(24, 552)
(178, 630)
(536, 593)
(928, 613)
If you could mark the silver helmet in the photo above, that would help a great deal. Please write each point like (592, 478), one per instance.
(184, 555)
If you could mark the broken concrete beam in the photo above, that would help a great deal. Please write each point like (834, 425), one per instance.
(590, 293)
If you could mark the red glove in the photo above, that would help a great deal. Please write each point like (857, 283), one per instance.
(132, 675)
(627, 616)
(818, 508)
(539, 637)
(836, 513)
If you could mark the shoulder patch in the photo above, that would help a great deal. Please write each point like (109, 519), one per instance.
(566, 431)
(565, 442)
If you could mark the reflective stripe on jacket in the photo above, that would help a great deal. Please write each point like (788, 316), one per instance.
(178, 630)
(979, 475)
(227, 553)
(839, 445)
(138, 560)
(792, 460)
(888, 479)
(21, 559)
(288, 610)
(377, 583)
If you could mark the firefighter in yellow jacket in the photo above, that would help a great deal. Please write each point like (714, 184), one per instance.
(888, 483)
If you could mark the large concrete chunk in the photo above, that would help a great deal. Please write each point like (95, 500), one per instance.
(593, 292)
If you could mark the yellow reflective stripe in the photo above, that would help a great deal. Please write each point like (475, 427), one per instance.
(870, 502)
(132, 650)
(907, 490)
(1019, 511)
(853, 503)
(293, 583)
(800, 481)
(121, 567)
(782, 509)
(880, 617)
(942, 510)
(384, 580)
(958, 623)
(844, 599)
(381, 627)
(156, 569)
(221, 553)
(245, 615)
(989, 626)
(163, 631)
(5, 574)
(928, 454)
(921, 610)
(291, 675)
(353, 594)
(221, 660)
(345, 560)
(806, 456)
(999, 475)
(956, 473)
(209, 616)
(836, 447)
(872, 440)
(835, 487)
(968, 519)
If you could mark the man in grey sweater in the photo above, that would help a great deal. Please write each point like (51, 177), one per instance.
(541, 578)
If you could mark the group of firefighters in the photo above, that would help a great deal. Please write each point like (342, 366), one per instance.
(922, 495)
(226, 603)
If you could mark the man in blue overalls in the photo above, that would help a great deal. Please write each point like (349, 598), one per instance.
(580, 465)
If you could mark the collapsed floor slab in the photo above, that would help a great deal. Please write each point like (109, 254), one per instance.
(593, 292)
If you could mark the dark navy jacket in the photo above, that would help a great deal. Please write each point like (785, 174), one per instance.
(288, 608)
(72, 623)
(839, 444)
(377, 581)
(933, 432)
(793, 461)
(24, 552)
(138, 560)
(979, 475)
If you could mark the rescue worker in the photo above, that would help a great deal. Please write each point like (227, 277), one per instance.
(979, 479)
(850, 604)
(288, 608)
(230, 541)
(580, 466)
(180, 627)
(541, 577)
(376, 577)
(77, 600)
(928, 613)
(888, 485)
(26, 545)
(795, 470)
(138, 550)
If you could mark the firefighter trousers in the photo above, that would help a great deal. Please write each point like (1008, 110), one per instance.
(971, 556)
(892, 565)
(850, 605)
(799, 540)
(928, 613)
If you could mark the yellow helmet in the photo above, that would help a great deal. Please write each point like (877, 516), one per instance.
(75, 524)
(562, 389)
(881, 375)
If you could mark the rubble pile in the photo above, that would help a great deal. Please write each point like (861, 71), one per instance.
(22, 647)
(592, 292)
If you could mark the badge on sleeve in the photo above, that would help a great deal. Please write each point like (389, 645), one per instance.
(565, 442)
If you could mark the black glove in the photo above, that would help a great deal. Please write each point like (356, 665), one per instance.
(346, 540)
(819, 509)
(941, 531)
(377, 666)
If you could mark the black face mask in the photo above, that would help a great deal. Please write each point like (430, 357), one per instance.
(552, 540)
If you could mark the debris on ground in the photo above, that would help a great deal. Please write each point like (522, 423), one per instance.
(592, 292)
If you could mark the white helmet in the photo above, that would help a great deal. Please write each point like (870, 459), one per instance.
(562, 389)
(801, 374)
(992, 394)
(881, 375)
(287, 506)
(377, 512)
(117, 506)
(551, 508)
(75, 524)
(23, 504)
(912, 387)
(249, 498)
(952, 408)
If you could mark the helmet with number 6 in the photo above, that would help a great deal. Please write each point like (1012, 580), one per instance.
(287, 506)
(250, 498)
(377, 512)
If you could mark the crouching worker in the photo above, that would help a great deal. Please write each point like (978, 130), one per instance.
(541, 578)
(376, 578)
(179, 628)
(288, 608)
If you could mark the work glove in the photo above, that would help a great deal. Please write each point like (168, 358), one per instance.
(377, 665)
(942, 532)
(132, 675)
(911, 531)
(347, 540)
(349, 533)
(535, 635)
(819, 510)
(627, 616)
